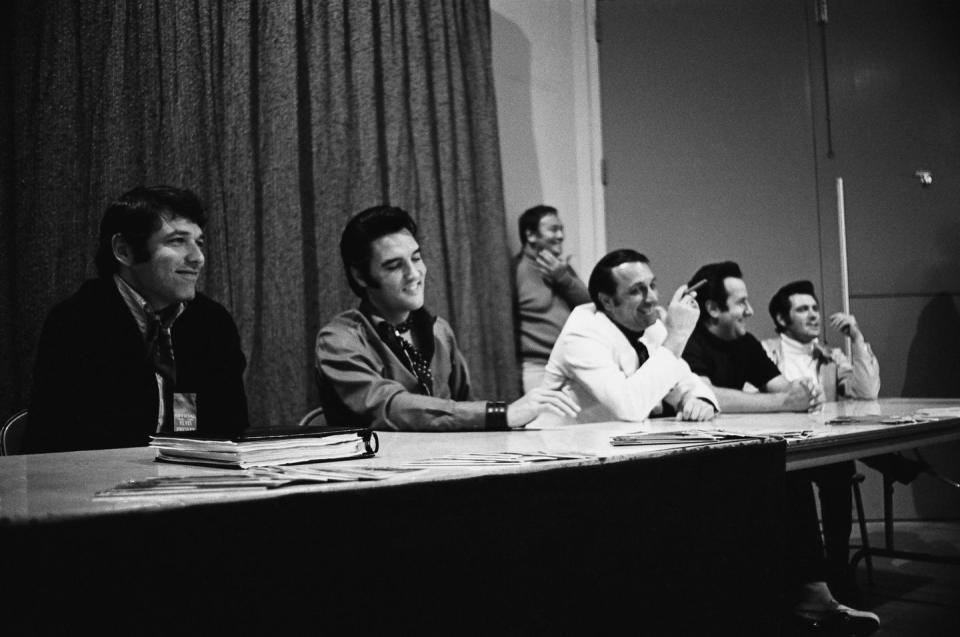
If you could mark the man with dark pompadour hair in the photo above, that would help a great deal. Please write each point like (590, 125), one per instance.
(798, 353)
(390, 364)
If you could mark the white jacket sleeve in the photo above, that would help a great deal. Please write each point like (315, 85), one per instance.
(596, 358)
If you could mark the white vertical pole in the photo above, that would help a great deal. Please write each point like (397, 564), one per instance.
(844, 279)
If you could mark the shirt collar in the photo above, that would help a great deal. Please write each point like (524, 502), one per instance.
(529, 252)
(651, 337)
(367, 309)
(421, 319)
(422, 329)
(141, 310)
(631, 335)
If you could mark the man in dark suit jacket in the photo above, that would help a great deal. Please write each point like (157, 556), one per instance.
(138, 350)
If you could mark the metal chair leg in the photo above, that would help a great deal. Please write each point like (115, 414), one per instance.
(866, 551)
(862, 523)
(888, 512)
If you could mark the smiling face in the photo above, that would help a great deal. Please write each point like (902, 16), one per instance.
(394, 284)
(731, 324)
(804, 323)
(549, 235)
(635, 303)
(170, 272)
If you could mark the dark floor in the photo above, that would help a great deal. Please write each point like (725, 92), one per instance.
(914, 598)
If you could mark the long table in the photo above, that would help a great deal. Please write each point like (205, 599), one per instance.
(828, 443)
(831, 443)
(671, 540)
(665, 539)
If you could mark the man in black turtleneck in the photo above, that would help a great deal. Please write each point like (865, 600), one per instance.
(725, 354)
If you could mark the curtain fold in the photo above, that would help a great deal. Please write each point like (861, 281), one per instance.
(286, 118)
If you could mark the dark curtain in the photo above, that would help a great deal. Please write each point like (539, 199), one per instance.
(286, 117)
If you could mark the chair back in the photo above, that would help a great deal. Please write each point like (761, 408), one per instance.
(11, 435)
(313, 418)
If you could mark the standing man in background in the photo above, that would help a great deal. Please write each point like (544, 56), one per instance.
(547, 290)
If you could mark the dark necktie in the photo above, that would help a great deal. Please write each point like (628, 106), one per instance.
(421, 366)
(634, 339)
(160, 348)
(160, 353)
(642, 355)
(642, 352)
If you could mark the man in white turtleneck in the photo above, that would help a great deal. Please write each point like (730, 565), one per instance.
(800, 355)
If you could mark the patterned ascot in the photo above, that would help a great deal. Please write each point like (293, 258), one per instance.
(421, 366)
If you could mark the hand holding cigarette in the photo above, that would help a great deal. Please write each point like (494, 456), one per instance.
(693, 288)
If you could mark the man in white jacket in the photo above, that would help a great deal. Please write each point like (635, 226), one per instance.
(620, 356)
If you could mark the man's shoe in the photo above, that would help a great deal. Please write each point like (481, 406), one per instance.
(843, 585)
(839, 620)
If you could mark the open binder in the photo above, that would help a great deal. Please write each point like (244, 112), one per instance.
(268, 447)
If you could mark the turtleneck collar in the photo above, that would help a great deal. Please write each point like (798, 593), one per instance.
(717, 342)
(813, 349)
(794, 346)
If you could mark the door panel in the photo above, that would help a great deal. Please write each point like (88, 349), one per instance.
(895, 105)
(715, 138)
(708, 139)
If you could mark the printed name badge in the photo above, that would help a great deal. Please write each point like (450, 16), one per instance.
(184, 412)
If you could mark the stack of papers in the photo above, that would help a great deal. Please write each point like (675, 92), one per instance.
(249, 481)
(268, 448)
(938, 412)
(485, 459)
(770, 434)
(687, 438)
(877, 419)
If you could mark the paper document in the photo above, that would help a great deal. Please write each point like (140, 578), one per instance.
(688, 437)
(474, 459)
(246, 481)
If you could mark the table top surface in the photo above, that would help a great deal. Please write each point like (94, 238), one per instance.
(49, 487)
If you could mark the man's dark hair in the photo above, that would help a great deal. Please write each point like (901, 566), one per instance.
(780, 303)
(601, 279)
(362, 230)
(530, 220)
(136, 215)
(714, 289)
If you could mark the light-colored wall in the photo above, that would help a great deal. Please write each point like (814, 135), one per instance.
(708, 138)
(715, 135)
(545, 71)
(728, 161)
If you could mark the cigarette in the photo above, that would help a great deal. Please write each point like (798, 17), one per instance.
(696, 285)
